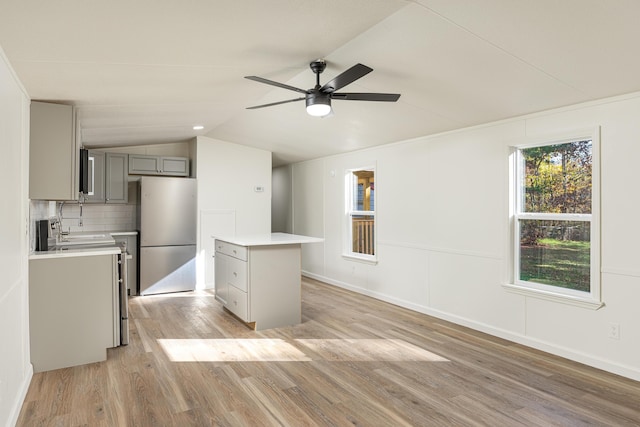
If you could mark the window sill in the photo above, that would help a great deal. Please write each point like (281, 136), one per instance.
(583, 302)
(364, 259)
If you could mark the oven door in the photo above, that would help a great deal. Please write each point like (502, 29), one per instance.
(124, 298)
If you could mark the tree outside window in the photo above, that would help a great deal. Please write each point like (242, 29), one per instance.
(554, 215)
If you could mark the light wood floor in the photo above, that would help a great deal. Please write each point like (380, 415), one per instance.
(353, 361)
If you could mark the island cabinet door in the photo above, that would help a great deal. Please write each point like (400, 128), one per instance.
(220, 274)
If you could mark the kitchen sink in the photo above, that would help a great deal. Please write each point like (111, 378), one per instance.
(85, 239)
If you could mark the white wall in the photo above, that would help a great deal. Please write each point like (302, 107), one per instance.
(443, 232)
(281, 201)
(228, 203)
(15, 366)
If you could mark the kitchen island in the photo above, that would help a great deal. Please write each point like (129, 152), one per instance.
(258, 278)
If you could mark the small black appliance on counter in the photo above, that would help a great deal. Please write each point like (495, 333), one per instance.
(42, 235)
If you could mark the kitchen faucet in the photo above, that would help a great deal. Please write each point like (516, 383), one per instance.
(57, 224)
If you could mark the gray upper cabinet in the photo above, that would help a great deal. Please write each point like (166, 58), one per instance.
(53, 152)
(96, 192)
(176, 166)
(141, 164)
(107, 178)
(116, 185)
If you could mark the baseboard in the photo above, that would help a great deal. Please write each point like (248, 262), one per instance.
(17, 404)
(586, 359)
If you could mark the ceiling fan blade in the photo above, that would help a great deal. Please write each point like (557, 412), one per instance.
(349, 76)
(272, 83)
(385, 97)
(275, 103)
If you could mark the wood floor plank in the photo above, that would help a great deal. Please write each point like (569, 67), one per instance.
(353, 361)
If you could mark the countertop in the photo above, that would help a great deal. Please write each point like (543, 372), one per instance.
(83, 250)
(75, 252)
(268, 239)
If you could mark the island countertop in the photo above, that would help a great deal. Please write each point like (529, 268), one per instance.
(268, 239)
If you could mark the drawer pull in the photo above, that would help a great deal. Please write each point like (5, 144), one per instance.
(235, 274)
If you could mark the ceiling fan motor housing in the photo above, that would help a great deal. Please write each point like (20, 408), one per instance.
(318, 66)
(318, 103)
(317, 97)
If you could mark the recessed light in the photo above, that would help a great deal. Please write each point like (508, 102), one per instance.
(198, 127)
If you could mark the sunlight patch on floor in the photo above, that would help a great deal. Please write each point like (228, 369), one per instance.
(278, 350)
(231, 350)
(369, 350)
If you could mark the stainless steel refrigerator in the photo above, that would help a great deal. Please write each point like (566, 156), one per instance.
(167, 223)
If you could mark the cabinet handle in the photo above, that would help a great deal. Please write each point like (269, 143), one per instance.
(235, 274)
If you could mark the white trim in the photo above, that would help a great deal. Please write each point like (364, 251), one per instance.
(519, 338)
(367, 259)
(592, 299)
(16, 80)
(554, 216)
(528, 290)
(347, 251)
(14, 413)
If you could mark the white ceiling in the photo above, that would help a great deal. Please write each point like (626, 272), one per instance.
(146, 71)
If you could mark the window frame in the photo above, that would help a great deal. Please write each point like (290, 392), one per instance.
(593, 298)
(350, 185)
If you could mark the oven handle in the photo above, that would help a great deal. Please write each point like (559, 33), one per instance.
(124, 300)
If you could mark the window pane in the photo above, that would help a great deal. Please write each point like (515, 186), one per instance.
(362, 234)
(556, 253)
(557, 178)
(363, 182)
(358, 203)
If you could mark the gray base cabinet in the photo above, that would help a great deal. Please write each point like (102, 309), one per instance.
(259, 284)
(72, 310)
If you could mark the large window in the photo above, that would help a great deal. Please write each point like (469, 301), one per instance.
(361, 213)
(555, 227)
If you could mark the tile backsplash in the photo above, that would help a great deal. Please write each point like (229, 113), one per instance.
(95, 216)
(98, 217)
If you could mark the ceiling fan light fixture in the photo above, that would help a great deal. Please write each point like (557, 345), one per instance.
(318, 110)
(318, 105)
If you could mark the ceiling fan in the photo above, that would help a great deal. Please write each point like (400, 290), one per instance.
(318, 99)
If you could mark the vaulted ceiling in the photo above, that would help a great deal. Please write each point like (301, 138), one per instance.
(147, 71)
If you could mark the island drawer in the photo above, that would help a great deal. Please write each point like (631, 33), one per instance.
(232, 250)
(238, 303)
(237, 273)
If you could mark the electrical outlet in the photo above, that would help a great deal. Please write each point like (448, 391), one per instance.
(614, 331)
